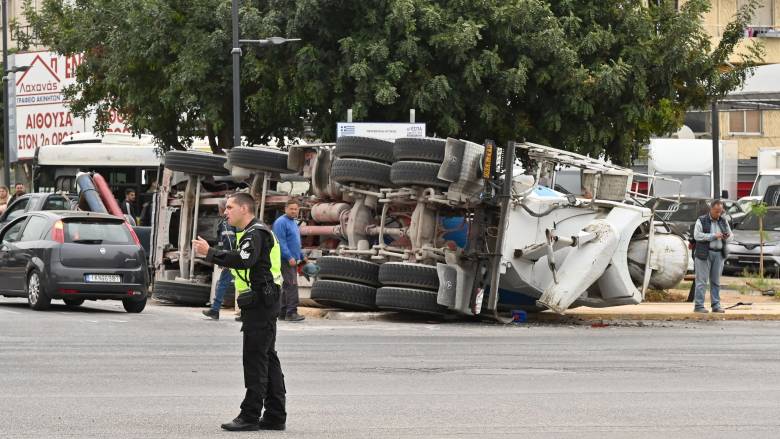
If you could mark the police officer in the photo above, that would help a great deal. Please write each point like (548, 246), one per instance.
(256, 265)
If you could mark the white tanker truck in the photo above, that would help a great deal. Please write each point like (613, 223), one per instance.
(435, 226)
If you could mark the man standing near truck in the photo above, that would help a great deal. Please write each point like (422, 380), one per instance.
(227, 241)
(256, 265)
(711, 233)
(289, 236)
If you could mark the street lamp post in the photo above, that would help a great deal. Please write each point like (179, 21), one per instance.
(6, 77)
(236, 53)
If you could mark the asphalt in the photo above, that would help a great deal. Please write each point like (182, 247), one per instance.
(166, 373)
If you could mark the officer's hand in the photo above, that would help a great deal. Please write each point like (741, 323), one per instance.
(292, 262)
(200, 247)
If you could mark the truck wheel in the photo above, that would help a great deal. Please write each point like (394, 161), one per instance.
(355, 147)
(425, 149)
(368, 172)
(408, 299)
(259, 159)
(182, 293)
(402, 274)
(417, 174)
(344, 295)
(349, 269)
(196, 163)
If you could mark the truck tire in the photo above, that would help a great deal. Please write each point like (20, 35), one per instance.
(343, 295)
(355, 147)
(259, 159)
(409, 173)
(368, 172)
(182, 293)
(423, 149)
(408, 299)
(401, 274)
(349, 269)
(196, 163)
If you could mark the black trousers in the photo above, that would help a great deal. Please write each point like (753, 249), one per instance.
(290, 296)
(263, 377)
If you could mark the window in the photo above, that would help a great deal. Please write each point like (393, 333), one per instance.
(34, 229)
(763, 17)
(745, 122)
(97, 232)
(12, 234)
(56, 203)
(16, 209)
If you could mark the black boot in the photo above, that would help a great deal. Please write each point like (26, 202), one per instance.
(268, 425)
(211, 313)
(241, 424)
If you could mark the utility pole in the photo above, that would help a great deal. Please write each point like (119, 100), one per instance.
(716, 151)
(236, 52)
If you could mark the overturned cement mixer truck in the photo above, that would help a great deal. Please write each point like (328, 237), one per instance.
(434, 226)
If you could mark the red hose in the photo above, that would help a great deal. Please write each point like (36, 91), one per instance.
(105, 194)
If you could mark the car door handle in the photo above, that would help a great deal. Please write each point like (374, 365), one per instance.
(130, 259)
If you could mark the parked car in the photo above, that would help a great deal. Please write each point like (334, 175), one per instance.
(745, 247)
(35, 202)
(72, 256)
(684, 218)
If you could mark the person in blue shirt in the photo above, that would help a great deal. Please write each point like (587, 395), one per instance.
(227, 241)
(289, 236)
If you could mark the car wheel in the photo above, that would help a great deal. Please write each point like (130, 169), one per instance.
(134, 305)
(196, 163)
(408, 299)
(417, 174)
(356, 147)
(424, 149)
(259, 159)
(37, 297)
(402, 274)
(348, 269)
(343, 295)
(73, 303)
(361, 171)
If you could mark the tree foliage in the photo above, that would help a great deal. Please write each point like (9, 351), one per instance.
(591, 76)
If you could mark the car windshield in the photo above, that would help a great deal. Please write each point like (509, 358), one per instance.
(688, 211)
(771, 221)
(90, 231)
(762, 184)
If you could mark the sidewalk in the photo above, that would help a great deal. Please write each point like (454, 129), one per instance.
(671, 311)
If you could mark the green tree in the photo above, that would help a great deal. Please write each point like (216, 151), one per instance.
(759, 211)
(590, 76)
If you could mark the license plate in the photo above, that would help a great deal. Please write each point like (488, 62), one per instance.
(103, 278)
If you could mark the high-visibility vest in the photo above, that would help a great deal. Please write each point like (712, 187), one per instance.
(241, 277)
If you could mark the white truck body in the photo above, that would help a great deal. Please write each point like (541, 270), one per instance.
(690, 161)
(768, 171)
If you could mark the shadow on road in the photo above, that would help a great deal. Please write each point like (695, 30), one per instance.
(60, 307)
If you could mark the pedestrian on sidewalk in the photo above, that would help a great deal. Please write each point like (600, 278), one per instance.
(256, 264)
(289, 235)
(711, 234)
(227, 241)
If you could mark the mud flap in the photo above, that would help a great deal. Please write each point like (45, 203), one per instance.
(456, 283)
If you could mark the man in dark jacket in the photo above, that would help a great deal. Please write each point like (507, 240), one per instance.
(256, 265)
(711, 234)
(227, 241)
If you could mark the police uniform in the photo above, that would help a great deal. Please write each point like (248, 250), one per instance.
(256, 268)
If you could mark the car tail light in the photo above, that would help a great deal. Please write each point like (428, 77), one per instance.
(58, 232)
(132, 233)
